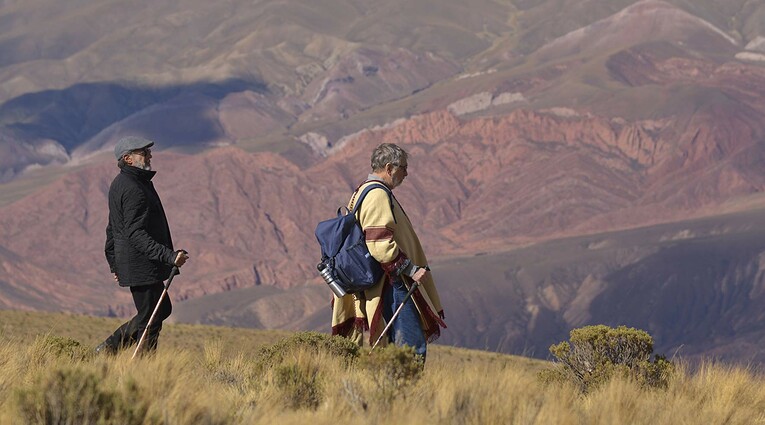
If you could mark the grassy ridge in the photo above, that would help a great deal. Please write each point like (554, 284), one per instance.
(23, 327)
(226, 381)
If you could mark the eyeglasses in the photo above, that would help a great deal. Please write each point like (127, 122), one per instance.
(142, 152)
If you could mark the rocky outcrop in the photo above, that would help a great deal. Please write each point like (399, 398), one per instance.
(482, 101)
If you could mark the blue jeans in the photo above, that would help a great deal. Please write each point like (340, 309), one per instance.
(406, 329)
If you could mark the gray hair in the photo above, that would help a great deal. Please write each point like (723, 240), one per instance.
(387, 153)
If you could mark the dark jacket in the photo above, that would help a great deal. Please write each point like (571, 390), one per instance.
(138, 244)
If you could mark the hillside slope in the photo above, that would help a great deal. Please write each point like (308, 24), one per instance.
(527, 121)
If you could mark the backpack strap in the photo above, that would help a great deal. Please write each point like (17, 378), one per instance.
(363, 194)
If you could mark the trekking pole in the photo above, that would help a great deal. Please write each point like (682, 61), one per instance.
(415, 284)
(173, 272)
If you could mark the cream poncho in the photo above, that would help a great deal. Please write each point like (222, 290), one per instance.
(391, 240)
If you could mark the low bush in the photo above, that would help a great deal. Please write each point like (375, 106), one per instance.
(74, 396)
(291, 371)
(299, 385)
(597, 353)
(58, 347)
(312, 342)
(392, 369)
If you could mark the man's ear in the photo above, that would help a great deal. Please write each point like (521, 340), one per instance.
(128, 159)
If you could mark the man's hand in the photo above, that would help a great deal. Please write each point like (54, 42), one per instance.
(181, 258)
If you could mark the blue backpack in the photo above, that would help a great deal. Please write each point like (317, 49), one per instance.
(344, 253)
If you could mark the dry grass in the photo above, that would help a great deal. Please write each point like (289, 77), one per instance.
(26, 325)
(53, 379)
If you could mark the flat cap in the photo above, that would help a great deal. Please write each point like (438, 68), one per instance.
(129, 144)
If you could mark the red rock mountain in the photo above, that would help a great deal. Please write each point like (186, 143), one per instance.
(476, 184)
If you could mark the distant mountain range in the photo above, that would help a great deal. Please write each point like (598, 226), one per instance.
(534, 127)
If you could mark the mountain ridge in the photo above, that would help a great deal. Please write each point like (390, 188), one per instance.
(264, 115)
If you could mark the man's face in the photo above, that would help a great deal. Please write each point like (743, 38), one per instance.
(397, 173)
(139, 158)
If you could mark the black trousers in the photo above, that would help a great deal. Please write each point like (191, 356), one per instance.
(145, 298)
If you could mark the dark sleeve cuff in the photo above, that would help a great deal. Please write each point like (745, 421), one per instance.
(171, 257)
(397, 266)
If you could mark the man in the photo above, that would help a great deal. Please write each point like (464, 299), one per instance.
(391, 240)
(139, 249)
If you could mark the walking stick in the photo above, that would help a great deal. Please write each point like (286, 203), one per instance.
(173, 272)
(415, 284)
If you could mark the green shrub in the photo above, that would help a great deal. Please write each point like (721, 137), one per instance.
(51, 346)
(291, 367)
(299, 385)
(315, 342)
(392, 369)
(597, 353)
(74, 396)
